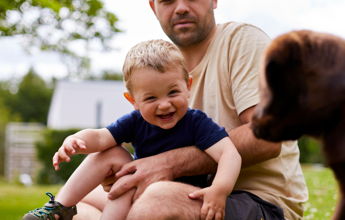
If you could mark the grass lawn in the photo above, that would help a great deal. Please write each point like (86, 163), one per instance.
(15, 200)
(323, 193)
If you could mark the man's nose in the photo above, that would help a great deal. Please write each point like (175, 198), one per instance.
(182, 7)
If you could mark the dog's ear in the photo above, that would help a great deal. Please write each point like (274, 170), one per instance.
(273, 74)
(283, 62)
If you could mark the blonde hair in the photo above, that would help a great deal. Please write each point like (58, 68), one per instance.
(159, 55)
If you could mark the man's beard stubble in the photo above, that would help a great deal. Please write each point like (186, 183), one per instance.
(189, 36)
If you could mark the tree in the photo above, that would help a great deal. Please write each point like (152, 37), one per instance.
(57, 25)
(31, 101)
(109, 75)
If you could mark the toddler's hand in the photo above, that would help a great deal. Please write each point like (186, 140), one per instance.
(70, 146)
(213, 206)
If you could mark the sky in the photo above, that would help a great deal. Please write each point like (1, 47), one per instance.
(138, 23)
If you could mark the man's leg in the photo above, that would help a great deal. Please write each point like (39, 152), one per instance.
(166, 200)
(241, 205)
(169, 201)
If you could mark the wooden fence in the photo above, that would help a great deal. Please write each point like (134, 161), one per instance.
(20, 151)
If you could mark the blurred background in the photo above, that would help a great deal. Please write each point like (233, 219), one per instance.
(60, 70)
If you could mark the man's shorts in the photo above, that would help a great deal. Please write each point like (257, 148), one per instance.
(241, 205)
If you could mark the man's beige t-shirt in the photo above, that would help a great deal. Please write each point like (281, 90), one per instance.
(225, 83)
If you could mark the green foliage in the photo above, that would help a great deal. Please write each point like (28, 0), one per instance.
(32, 99)
(311, 150)
(108, 75)
(52, 140)
(57, 25)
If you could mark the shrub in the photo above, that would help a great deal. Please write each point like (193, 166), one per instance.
(311, 151)
(52, 140)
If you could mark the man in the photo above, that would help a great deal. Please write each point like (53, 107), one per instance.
(223, 61)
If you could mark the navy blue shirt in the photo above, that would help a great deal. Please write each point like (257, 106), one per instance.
(194, 129)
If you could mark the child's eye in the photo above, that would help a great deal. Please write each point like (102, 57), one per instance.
(150, 98)
(174, 92)
(165, 1)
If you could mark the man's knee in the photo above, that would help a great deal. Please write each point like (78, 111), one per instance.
(145, 207)
(164, 201)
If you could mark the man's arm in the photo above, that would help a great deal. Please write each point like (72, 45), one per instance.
(169, 165)
(251, 149)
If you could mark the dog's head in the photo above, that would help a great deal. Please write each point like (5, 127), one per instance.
(302, 84)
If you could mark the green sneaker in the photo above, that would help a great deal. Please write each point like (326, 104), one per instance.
(48, 211)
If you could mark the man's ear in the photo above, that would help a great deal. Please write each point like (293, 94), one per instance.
(152, 5)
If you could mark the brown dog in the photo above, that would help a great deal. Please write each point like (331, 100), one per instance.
(302, 88)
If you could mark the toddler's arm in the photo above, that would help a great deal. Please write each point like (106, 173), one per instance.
(83, 142)
(229, 165)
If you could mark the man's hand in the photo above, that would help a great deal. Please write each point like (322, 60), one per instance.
(138, 174)
(108, 182)
(186, 161)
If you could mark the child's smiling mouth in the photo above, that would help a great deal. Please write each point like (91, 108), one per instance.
(166, 116)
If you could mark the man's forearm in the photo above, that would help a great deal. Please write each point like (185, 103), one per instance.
(251, 149)
(188, 161)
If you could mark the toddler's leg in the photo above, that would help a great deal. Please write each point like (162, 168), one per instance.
(118, 209)
(85, 178)
(92, 205)
(91, 173)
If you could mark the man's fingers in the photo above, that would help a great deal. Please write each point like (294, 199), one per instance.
(126, 169)
(122, 185)
(106, 188)
(138, 192)
(108, 183)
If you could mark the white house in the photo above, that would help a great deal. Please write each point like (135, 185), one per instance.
(87, 104)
